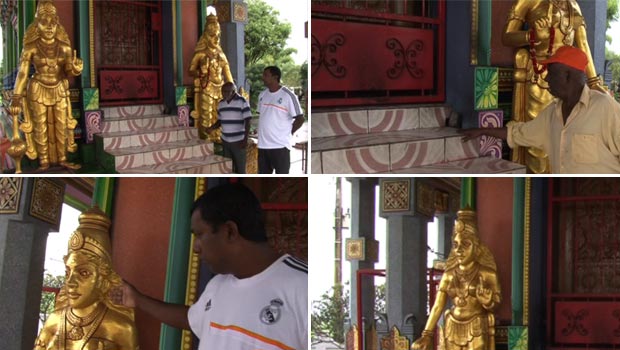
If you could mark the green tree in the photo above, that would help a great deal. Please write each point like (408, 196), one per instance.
(265, 45)
(613, 14)
(48, 300)
(331, 312)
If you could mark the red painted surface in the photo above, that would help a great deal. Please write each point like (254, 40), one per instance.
(502, 56)
(67, 19)
(140, 237)
(494, 204)
(365, 56)
(119, 85)
(587, 322)
(191, 33)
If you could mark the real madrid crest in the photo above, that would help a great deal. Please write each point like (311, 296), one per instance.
(271, 313)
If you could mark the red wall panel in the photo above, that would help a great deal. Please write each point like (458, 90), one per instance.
(494, 206)
(140, 236)
(191, 33)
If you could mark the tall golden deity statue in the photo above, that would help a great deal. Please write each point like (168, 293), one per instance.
(470, 281)
(44, 98)
(210, 70)
(550, 25)
(85, 317)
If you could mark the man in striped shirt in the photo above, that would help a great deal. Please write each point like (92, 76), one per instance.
(233, 115)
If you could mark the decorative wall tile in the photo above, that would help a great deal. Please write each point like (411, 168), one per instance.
(491, 146)
(46, 201)
(91, 99)
(183, 112)
(181, 95)
(10, 192)
(517, 338)
(395, 195)
(92, 120)
(486, 88)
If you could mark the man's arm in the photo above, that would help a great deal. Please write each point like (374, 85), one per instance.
(172, 314)
(299, 121)
(500, 133)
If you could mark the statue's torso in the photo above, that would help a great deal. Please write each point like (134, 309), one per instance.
(49, 62)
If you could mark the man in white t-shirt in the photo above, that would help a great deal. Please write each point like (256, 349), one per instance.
(259, 300)
(280, 116)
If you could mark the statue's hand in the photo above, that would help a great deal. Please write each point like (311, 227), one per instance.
(77, 63)
(599, 87)
(425, 342)
(484, 295)
(541, 26)
(16, 105)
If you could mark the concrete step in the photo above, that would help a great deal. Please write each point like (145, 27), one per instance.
(211, 164)
(131, 111)
(149, 122)
(365, 121)
(132, 157)
(145, 137)
(483, 165)
(389, 151)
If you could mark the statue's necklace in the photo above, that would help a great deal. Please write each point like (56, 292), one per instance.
(78, 323)
(464, 279)
(51, 53)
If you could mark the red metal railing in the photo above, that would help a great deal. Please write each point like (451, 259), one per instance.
(377, 52)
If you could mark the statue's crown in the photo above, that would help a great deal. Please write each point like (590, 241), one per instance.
(466, 221)
(45, 7)
(212, 18)
(92, 235)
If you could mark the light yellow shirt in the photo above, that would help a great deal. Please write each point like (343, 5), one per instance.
(589, 143)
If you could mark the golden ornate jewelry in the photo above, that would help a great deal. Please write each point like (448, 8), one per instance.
(78, 323)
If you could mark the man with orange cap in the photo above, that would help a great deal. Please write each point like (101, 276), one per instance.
(579, 130)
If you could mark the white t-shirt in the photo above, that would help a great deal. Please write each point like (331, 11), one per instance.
(268, 311)
(277, 111)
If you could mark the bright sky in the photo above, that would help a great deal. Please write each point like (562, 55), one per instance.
(296, 13)
(57, 241)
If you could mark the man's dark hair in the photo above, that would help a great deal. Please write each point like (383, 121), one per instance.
(275, 71)
(234, 202)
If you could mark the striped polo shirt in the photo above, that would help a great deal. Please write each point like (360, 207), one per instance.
(232, 115)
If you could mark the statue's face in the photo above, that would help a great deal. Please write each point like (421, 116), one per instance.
(213, 35)
(47, 25)
(81, 281)
(463, 248)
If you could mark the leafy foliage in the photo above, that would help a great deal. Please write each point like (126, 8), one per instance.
(613, 14)
(331, 313)
(48, 299)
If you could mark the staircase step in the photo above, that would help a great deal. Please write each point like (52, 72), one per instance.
(483, 165)
(355, 122)
(211, 164)
(148, 122)
(135, 138)
(131, 157)
(131, 111)
(387, 151)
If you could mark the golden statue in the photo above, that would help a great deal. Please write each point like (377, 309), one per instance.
(470, 280)
(44, 98)
(85, 317)
(550, 25)
(210, 70)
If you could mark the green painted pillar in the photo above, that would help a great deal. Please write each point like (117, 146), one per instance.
(20, 26)
(484, 32)
(103, 194)
(178, 257)
(179, 41)
(468, 192)
(203, 15)
(9, 48)
(518, 210)
(84, 42)
(30, 7)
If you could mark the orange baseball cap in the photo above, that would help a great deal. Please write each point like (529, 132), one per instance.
(570, 56)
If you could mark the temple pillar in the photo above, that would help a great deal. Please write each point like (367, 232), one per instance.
(363, 230)
(29, 209)
(233, 14)
(407, 247)
(445, 226)
(595, 15)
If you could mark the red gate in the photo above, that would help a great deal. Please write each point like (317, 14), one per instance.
(583, 263)
(377, 52)
(128, 51)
